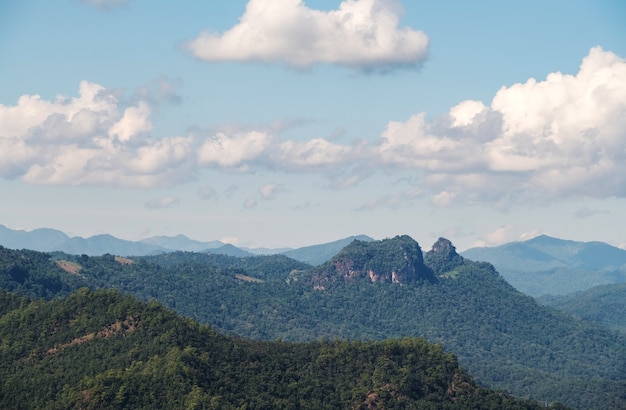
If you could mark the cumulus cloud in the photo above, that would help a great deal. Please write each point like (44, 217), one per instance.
(360, 34)
(542, 140)
(160, 203)
(562, 136)
(92, 139)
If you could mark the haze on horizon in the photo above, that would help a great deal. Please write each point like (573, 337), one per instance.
(286, 123)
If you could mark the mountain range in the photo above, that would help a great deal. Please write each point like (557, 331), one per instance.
(550, 266)
(52, 240)
(374, 290)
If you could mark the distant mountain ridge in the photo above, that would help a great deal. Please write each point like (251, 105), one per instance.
(546, 265)
(51, 240)
(318, 254)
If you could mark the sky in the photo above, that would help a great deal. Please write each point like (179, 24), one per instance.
(287, 123)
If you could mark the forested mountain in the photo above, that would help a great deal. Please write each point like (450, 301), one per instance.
(550, 266)
(502, 337)
(99, 350)
(604, 305)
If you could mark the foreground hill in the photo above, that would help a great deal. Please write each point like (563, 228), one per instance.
(99, 350)
(604, 305)
(545, 265)
(504, 338)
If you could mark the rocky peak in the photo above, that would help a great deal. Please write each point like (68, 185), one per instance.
(442, 257)
(396, 260)
(444, 247)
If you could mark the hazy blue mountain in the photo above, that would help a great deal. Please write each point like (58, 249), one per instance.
(318, 254)
(181, 243)
(43, 239)
(604, 305)
(266, 251)
(545, 265)
(230, 250)
(47, 240)
(102, 244)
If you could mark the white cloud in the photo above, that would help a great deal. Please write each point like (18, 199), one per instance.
(314, 154)
(360, 33)
(92, 139)
(160, 203)
(234, 151)
(444, 199)
(504, 234)
(269, 191)
(563, 136)
(133, 122)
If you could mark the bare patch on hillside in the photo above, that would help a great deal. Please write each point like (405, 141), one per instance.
(124, 261)
(70, 267)
(247, 278)
(127, 326)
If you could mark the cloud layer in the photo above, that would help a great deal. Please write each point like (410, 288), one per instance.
(563, 136)
(361, 34)
(539, 140)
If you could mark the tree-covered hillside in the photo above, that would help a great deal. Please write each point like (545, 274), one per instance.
(604, 305)
(502, 337)
(102, 350)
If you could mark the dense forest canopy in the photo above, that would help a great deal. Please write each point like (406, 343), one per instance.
(98, 350)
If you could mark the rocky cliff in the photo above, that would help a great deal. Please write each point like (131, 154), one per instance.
(396, 260)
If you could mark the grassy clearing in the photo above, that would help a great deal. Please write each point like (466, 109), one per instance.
(246, 278)
(71, 267)
(124, 261)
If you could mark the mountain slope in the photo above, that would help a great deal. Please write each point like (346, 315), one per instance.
(545, 265)
(38, 240)
(604, 305)
(99, 350)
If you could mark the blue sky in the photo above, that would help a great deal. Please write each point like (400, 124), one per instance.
(273, 123)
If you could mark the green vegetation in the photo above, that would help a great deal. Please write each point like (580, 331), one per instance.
(101, 350)
(604, 305)
(502, 337)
